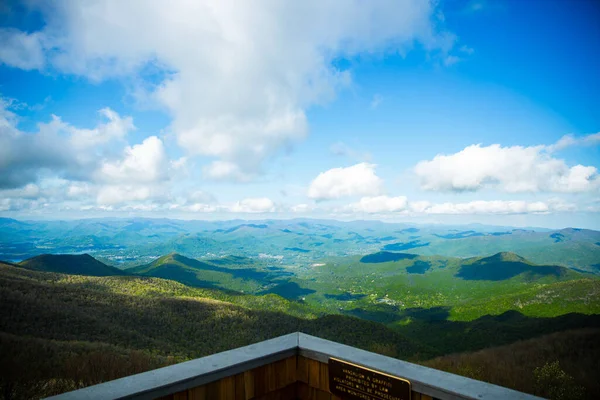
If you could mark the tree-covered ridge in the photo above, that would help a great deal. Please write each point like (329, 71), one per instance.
(561, 365)
(393, 287)
(226, 273)
(80, 264)
(151, 313)
(400, 304)
(386, 286)
(145, 321)
(84, 324)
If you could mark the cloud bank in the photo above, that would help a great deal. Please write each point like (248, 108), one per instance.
(510, 169)
(236, 77)
(359, 179)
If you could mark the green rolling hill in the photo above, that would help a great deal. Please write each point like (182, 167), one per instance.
(83, 325)
(232, 273)
(389, 287)
(394, 287)
(75, 328)
(81, 264)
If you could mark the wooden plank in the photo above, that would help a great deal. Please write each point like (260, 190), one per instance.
(314, 373)
(302, 369)
(425, 397)
(248, 385)
(270, 377)
(318, 394)
(323, 395)
(324, 377)
(240, 387)
(281, 374)
(213, 390)
(180, 396)
(290, 367)
(302, 391)
(227, 388)
(289, 392)
(197, 393)
(260, 381)
(286, 393)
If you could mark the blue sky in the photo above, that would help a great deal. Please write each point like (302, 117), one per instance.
(448, 111)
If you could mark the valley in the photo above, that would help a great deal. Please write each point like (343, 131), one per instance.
(161, 296)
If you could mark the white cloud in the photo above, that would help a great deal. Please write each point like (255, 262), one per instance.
(143, 173)
(357, 180)
(142, 163)
(115, 128)
(571, 140)
(560, 205)
(118, 194)
(512, 169)
(238, 76)
(380, 204)
(302, 208)
(199, 196)
(482, 207)
(20, 49)
(29, 191)
(385, 206)
(253, 205)
(226, 171)
(78, 190)
(200, 208)
(55, 149)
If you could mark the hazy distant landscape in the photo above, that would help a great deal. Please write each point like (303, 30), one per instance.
(395, 285)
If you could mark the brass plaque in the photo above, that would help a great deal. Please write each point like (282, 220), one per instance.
(353, 382)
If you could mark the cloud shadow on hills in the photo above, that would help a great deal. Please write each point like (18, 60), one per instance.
(419, 267)
(296, 249)
(236, 260)
(405, 246)
(187, 277)
(499, 271)
(408, 230)
(280, 272)
(243, 273)
(386, 314)
(460, 235)
(492, 330)
(430, 326)
(345, 296)
(289, 290)
(384, 256)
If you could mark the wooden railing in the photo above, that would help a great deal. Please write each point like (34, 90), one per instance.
(293, 366)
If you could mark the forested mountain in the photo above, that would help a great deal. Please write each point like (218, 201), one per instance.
(82, 264)
(141, 293)
(59, 332)
(574, 355)
(76, 328)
